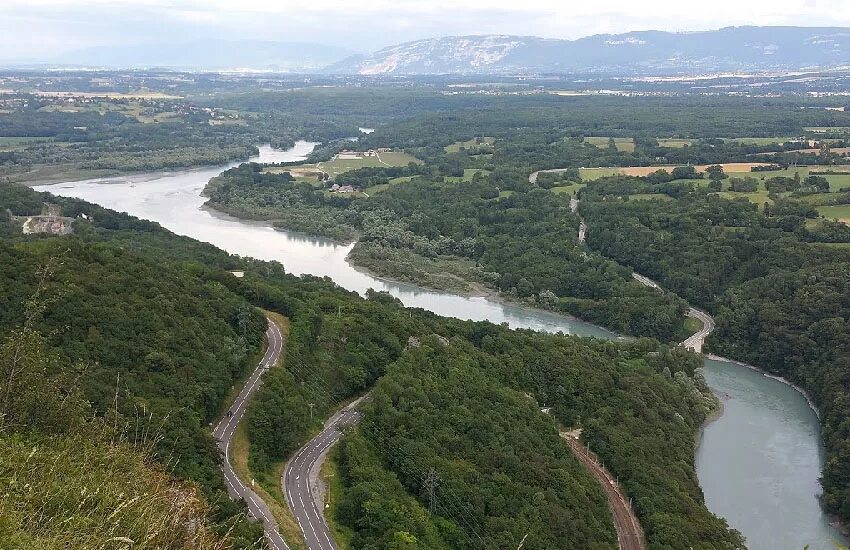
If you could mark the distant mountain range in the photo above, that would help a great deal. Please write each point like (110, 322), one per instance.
(732, 49)
(646, 52)
(211, 55)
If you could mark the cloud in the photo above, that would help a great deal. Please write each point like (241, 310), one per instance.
(34, 28)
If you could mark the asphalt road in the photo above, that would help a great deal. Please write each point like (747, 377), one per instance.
(301, 483)
(223, 432)
(696, 340)
(532, 178)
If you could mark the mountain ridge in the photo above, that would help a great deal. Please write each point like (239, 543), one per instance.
(636, 52)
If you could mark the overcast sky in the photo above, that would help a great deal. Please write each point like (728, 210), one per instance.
(31, 29)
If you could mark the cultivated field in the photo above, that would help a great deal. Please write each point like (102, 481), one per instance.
(843, 151)
(674, 143)
(836, 181)
(623, 144)
(571, 189)
(840, 212)
(468, 173)
(589, 174)
(337, 165)
(456, 146)
(761, 140)
(827, 129)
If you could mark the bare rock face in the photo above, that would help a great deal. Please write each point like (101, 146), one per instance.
(732, 49)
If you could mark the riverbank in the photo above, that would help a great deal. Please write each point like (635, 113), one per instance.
(52, 175)
(767, 374)
(56, 174)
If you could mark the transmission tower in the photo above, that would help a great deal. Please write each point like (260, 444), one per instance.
(432, 480)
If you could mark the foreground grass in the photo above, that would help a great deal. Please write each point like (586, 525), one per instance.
(74, 491)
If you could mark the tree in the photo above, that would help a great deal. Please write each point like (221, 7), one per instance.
(715, 173)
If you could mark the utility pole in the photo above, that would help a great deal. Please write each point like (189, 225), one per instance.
(311, 405)
(432, 480)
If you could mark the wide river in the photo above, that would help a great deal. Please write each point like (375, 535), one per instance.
(758, 463)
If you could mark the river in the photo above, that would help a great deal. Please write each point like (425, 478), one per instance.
(758, 463)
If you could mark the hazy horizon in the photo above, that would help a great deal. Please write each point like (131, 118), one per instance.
(46, 29)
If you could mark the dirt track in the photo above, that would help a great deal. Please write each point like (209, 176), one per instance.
(629, 532)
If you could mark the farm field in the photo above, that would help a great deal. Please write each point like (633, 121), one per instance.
(674, 143)
(756, 197)
(840, 212)
(468, 174)
(397, 158)
(338, 166)
(384, 186)
(836, 181)
(456, 146)
(841, 151)
(626, 145)
(589, 174)
(761, 140)
(650, 196)
(15, 141)
(827, 129)
(568, 189)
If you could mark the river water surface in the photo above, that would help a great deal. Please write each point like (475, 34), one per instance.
(758, 463)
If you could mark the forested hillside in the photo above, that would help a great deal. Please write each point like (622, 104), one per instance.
(161, 342)
(468, 408)
(191, 334)
(780, 297)
(72, 479)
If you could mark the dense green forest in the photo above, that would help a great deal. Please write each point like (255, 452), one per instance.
(468, 408)
(523, 244)
(161, 341)
(192, 333)
(779, 296)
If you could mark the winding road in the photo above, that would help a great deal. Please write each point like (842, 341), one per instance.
(223, 433)
(305, 492)
(693, 342)
(301, 484)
